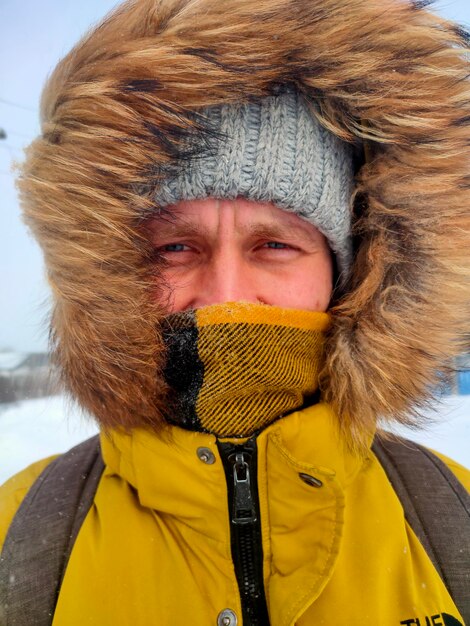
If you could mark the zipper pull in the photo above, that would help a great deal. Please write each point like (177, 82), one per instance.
(243, 511)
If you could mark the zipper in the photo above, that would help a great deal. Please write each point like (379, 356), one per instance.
(240, 465)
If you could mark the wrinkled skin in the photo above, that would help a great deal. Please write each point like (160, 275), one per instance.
(217, 251)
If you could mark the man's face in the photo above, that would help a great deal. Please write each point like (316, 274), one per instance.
(217, 251)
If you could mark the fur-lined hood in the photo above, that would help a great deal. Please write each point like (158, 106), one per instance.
(118, 111)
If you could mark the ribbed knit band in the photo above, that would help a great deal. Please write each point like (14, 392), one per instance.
(274, 150)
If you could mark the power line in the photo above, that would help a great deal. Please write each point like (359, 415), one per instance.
(18, 105)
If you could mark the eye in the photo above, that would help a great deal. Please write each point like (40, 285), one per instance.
(275, 251)
(276, 245)
(177, 254)
(174, 247)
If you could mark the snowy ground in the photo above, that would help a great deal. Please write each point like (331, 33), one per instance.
(35, 429)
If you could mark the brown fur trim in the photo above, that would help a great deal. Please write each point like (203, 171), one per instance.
(118, 109)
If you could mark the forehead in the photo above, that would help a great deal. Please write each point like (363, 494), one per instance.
(244, 215)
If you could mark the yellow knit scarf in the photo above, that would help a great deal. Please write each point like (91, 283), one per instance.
(234, 368)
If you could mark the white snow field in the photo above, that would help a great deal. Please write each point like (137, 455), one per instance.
(34, 429)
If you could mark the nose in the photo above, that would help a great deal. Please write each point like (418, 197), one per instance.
(227, 278)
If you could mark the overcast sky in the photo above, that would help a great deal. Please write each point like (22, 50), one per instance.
(35, 35)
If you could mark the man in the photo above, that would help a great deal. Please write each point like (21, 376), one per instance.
(255, 218)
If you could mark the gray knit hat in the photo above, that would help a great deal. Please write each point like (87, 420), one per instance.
(274, 150)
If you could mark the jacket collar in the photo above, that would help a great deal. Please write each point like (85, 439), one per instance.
(169, 477)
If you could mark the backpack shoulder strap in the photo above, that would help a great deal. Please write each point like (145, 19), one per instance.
(437, 507)
(41, 536)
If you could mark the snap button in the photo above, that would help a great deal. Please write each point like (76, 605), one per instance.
(206, 455)
(310, 480)
(227, 617)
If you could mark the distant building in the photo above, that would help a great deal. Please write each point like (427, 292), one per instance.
(26, 375)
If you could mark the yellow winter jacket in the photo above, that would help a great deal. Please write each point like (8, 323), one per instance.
(155, 547)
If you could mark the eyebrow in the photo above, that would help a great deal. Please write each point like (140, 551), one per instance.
(173, 226)
(277, 231)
